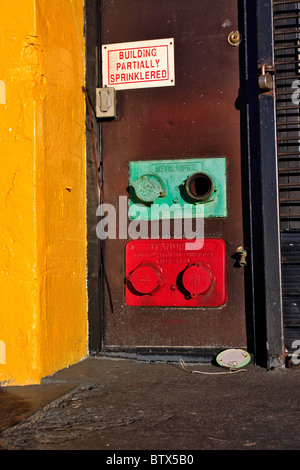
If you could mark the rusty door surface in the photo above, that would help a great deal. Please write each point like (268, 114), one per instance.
(199, 117)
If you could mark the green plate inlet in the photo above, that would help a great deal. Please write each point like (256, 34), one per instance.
(179, 188)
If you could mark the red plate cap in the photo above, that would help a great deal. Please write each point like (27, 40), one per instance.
(147, 277)
(197, 278)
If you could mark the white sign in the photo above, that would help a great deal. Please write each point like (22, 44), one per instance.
(141, 64)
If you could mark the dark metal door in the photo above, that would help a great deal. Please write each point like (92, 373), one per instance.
(199, 117)
(278, 55)
(287, 67)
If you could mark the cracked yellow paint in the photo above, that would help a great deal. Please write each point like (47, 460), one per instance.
(43, 308)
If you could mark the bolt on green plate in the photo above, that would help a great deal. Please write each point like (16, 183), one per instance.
(177, 188)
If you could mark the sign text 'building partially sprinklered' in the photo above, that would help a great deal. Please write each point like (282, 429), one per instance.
(141, 64)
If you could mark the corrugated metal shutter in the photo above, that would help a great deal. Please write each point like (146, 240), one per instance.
(287, 76)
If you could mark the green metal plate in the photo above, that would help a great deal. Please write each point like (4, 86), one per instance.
(179, 188)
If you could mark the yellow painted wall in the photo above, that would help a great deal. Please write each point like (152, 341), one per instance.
(43, 295)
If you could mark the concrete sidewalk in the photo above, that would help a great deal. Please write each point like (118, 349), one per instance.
(120, 404)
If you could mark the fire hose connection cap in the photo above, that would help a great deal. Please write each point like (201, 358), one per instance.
(147, 278)
(198, 279)
(149, 187)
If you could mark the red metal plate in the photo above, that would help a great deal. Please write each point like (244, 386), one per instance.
(169, 273)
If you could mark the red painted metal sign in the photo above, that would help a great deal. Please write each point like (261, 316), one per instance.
(172, 273)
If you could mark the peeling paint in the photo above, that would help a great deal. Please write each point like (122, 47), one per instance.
(2, 353)
(2, 92)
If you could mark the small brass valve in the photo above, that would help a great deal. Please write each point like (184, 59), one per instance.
(240, 256)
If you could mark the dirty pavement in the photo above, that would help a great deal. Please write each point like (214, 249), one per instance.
(113, 404)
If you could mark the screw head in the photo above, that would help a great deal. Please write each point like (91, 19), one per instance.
(234, 38)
